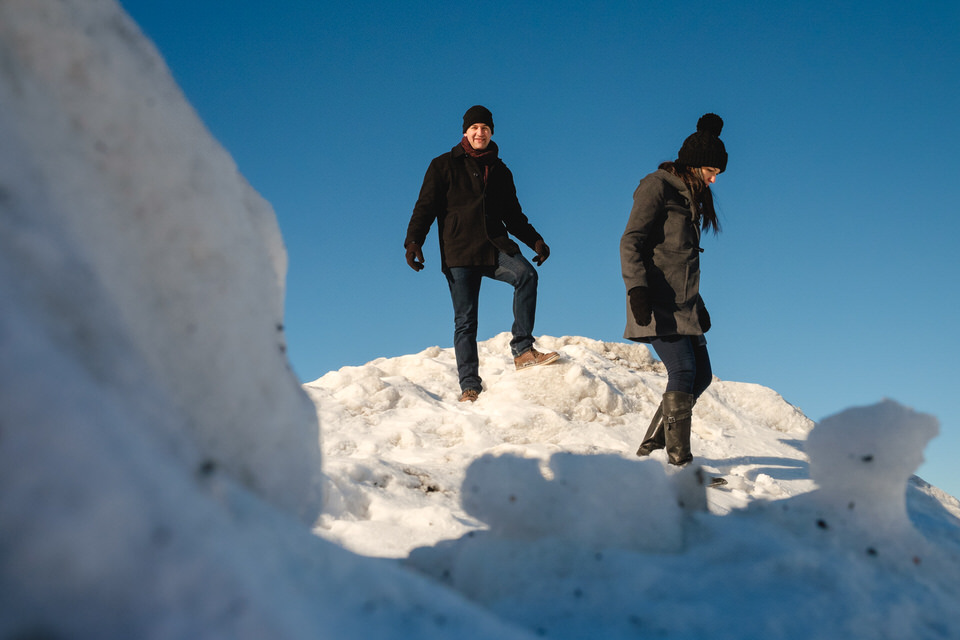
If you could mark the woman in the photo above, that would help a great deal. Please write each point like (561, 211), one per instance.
(660, 259)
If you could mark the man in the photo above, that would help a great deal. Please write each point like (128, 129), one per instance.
(470, 192)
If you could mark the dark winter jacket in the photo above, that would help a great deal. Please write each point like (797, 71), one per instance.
(660, 249)
(473, 218)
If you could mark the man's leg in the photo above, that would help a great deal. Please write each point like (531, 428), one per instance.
(518, 272)
(464, 285)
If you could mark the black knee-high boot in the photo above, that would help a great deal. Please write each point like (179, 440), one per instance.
(653, 439)
(677, 415)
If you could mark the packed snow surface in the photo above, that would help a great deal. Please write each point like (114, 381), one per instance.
(164, 475)
(531, 503)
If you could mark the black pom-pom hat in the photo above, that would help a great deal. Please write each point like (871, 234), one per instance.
(704, 148)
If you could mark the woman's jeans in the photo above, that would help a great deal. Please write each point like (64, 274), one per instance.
(687, 362)
(465, 292)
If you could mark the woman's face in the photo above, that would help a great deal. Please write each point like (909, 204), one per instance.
(709, 175)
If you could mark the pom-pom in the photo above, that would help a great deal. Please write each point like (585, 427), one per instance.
(710, 123)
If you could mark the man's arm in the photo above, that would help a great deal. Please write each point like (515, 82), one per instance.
(431, 200)
(512, 215)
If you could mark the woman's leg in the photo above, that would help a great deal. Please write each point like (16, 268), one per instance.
(678, 356)
(687, 362)
(704, 374)
(688, 375)
(653, 438)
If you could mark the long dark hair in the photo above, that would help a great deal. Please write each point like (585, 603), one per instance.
(702, 195)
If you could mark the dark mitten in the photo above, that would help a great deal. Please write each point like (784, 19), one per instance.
(640, 305)
(543, 252)
(703, 316)
(414, 256)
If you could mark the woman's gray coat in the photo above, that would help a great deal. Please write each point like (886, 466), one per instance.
(660, 249)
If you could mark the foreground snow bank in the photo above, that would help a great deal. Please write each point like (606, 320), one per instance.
(158, 459)
(126, 229)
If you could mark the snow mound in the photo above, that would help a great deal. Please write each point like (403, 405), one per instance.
(386, 424)
(531, 503)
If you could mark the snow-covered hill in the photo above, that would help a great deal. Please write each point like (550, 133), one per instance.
(531, 503)
(396, 423)
(160, 465)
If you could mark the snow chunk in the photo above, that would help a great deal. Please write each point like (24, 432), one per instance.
(862, 459)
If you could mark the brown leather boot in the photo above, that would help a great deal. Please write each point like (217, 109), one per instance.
(533, 358)
(469, 395)
(677, 415)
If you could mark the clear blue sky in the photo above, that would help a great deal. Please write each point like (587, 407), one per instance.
(834, 281)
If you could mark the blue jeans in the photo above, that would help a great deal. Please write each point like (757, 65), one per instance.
(687, 363)
(465, 292)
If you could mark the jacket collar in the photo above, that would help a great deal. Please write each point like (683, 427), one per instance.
(681, 188)
(675, 182)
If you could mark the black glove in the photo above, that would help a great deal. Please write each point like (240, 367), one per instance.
(543, 252)
(704, 319)
(640, 305)
(414, 256)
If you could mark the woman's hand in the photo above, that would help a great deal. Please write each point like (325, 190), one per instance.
(640, 305)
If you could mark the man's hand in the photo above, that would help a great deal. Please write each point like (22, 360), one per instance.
(414, 256)
(640, 305)
(543, 252)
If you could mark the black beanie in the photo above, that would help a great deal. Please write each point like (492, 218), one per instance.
(476, 114)
(704, 148)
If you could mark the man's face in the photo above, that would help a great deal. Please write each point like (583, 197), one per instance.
(478, 135)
